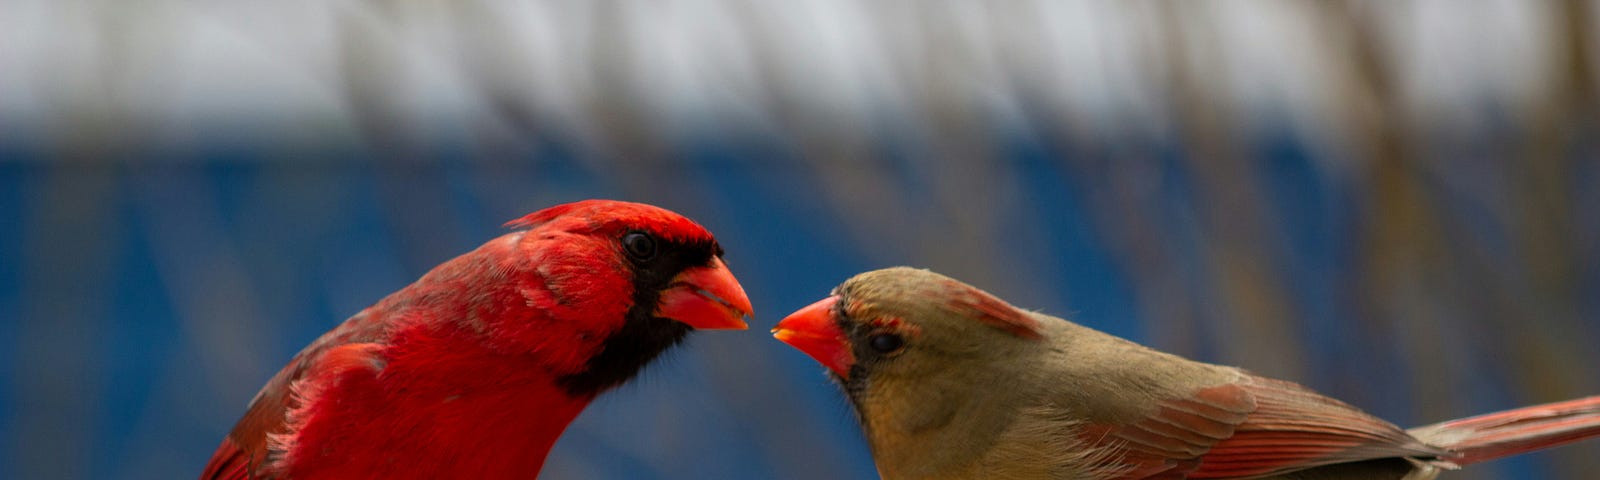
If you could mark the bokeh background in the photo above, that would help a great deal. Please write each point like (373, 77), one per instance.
(1393, 202)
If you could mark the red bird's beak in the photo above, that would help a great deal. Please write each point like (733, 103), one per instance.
(814, 331)
(706, 298)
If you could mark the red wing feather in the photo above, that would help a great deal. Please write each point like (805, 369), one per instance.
(1170, 443)
(246, 447)
(1501, 434)
(1294, 428)
(242, 452)
(229, 462)
(1255, 427)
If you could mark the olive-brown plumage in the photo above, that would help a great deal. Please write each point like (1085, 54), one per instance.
(951, 382)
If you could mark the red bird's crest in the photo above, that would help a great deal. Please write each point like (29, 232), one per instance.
(590, 216)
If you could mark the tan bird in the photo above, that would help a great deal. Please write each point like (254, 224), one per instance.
(950, 382)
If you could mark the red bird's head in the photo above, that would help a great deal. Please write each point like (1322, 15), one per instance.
(476, 368)
(614, 284)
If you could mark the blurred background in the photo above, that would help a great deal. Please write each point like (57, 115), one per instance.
(1393, 202)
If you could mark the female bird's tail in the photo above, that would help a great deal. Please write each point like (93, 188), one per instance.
(1502, 434)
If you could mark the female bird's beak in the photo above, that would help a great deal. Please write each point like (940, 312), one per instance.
(706, 298)
(814, 331)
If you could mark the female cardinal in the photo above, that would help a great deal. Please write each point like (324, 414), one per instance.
(475, 369)
(951, 382)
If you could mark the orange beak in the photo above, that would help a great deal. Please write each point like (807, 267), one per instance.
(814, 331)
(706, 298)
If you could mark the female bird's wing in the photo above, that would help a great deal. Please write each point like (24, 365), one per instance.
(1250, 428)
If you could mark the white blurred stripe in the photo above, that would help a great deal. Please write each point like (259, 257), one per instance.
(176, 69)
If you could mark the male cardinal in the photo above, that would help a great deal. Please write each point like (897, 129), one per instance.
(951, 382)
(475, 369)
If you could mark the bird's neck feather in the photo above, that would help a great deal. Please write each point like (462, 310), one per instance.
(515, 303)
(909, 418)
(441, 406)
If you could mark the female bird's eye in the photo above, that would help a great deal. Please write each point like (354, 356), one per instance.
(639, 245)
(886, 342)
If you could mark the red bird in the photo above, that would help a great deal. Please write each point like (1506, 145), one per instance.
(475, 369)
(951, 382)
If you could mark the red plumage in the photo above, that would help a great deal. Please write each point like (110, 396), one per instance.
(474, 370)
(1261, 427)
(1252, 428)
(1502, 434)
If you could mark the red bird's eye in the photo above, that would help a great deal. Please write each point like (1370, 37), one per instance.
(639, 245)
(886, 342)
